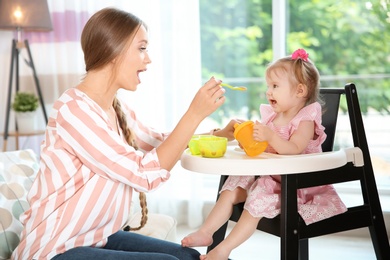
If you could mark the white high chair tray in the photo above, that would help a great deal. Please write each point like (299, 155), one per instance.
(236, 162)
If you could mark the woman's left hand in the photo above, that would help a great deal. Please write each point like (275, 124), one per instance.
(228, 130)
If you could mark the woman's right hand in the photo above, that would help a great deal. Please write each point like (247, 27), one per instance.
(208, 98)
(206, 101)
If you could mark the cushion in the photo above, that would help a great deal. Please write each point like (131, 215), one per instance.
(158, 226)
(17, 172)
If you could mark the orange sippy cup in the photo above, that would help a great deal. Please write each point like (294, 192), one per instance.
(244, 135)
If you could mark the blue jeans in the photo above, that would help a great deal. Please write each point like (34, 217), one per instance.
(129, 245)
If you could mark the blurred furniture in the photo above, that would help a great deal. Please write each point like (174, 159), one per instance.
(16, 135)
(18, 170)
(289, 225)
(19, 16)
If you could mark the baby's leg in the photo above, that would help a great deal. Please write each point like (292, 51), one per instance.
(220, 213)
(244, 228)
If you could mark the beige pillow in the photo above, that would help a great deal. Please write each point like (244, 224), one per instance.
(158, 226)
(17, 172)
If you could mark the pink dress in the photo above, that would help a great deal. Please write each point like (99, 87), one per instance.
(315, 203)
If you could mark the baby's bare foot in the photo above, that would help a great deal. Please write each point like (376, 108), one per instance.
(197, 238)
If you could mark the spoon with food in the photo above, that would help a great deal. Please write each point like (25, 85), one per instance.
(240, 88)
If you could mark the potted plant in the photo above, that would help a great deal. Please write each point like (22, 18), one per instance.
(25, 105)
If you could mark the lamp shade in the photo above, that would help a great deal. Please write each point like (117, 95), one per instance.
(26, 15)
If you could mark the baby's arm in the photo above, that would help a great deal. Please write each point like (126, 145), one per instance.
(295, 145)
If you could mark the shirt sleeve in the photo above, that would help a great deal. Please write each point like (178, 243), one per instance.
(86, 134)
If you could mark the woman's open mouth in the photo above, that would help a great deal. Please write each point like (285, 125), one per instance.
(138, 72)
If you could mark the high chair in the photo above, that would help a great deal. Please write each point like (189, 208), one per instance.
(289, 226)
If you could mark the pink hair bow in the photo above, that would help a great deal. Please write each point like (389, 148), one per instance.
(300, 54)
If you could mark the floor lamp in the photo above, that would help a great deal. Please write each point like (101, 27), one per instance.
(19, 16)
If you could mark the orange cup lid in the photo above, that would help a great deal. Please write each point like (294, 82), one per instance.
(238, 127)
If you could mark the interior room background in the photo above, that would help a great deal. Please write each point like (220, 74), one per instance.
(233, 40)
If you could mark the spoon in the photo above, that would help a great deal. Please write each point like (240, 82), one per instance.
(233, 88)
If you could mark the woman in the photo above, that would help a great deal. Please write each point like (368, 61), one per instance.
(90, 161)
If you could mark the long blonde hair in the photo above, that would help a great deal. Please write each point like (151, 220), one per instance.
(107, 35)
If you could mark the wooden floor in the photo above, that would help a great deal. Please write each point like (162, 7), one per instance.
(266, 247)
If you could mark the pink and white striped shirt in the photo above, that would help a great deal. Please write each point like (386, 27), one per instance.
(82, 193)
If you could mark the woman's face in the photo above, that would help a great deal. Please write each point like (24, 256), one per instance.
(135, 61)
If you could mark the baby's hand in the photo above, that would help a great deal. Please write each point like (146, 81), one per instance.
(262, 132)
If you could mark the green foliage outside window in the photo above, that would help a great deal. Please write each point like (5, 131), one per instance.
(348, 41)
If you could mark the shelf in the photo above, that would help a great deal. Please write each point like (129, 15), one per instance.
(17, 134)
(15, 68)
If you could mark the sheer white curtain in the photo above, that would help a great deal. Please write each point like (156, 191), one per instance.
(167, 87)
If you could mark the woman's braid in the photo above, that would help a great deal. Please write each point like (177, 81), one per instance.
(131, 141)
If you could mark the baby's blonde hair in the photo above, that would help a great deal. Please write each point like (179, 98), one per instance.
(299, 72)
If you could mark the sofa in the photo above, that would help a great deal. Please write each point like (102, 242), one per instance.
(17, 172)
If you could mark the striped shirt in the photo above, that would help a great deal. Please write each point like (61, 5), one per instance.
(83, 190)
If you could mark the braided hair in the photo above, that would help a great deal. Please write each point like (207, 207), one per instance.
(129, 136)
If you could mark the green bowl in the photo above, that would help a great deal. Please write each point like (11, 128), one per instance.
(212, 146)
(194, 143)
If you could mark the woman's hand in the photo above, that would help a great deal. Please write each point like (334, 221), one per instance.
(228, 130)
(207, 99)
